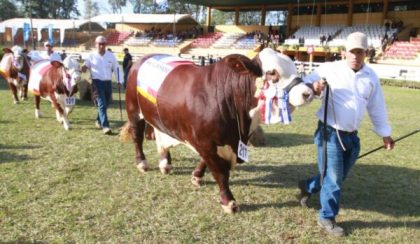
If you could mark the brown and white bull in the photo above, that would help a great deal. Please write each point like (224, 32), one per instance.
(58, 84)
(14, 67)
(213, 109)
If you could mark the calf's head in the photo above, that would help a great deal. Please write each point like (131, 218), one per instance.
(279, 69)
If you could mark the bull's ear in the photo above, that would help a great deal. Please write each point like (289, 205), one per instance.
(237, 64)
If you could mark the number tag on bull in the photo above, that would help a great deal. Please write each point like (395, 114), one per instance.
(242, 151)
(70, 101)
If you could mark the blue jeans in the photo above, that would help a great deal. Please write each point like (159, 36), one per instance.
(339, 163)
(102, 91)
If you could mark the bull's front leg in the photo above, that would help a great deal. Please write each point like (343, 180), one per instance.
(198, 173)
(13, 88)
(137, 135)
(37, 110)
(220, 170)
(25, 90)
(59, 112)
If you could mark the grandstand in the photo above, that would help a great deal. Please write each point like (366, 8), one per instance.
(309, 20)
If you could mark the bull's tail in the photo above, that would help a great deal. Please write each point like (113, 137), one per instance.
(125, 132)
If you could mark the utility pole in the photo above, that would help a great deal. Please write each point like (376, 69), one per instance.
(32, 30)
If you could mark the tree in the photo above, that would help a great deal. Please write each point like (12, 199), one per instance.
(143, 6)
(7, 10)
(49, 9)
(91, 9)
(116, 5)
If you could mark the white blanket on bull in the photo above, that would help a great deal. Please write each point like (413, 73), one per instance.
(153, 72)
(38, 70)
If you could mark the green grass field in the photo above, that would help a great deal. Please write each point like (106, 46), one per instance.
(81, 186)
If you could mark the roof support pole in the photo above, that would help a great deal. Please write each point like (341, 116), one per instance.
(385, 11)
(350, 13)
(208, 19)
(318, 14)
(237, 16)
(263, 13)
(289, 18)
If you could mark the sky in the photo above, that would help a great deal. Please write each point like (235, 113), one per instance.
(105, 8)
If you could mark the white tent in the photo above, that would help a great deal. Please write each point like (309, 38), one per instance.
(40, 24)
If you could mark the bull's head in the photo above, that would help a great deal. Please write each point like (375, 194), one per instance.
(280, 71)
(18, 58)
(72, 67)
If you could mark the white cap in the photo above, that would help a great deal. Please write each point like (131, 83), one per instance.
(47, 43)
(100, 39)
(56, 57)
(356, 40)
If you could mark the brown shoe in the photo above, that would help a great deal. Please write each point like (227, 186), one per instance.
(304, 194)
(331, 227)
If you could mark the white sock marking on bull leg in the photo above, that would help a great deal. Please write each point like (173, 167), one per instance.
(165, 168)
(58, 116)
(196, 180)
(143, 166)
(231, 207)
(38, 113)
(66, 123)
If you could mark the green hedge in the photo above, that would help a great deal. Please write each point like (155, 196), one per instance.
(401, 83)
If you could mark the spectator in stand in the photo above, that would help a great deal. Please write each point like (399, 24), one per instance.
(211, 60)
(63, 55)
(127, 62)
(329, 38)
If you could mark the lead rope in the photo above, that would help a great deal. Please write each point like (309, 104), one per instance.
(335, 121)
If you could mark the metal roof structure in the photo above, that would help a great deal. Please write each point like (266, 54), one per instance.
(245, 3)
(145, 18)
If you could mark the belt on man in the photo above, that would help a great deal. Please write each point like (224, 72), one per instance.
(342, 132)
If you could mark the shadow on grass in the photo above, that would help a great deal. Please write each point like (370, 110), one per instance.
(7, 157)
(381, 188)
(286, 139)
(351, 226)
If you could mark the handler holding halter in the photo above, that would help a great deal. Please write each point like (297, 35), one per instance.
(355, 89)
(102, 64)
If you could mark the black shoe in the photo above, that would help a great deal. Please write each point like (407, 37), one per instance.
(331, 227)
(304, 194)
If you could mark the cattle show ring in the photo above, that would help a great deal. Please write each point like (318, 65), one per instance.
(212, 130)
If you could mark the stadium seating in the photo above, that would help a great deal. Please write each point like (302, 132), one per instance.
(206, 40)
(116, 37)
(311, 34)
(246, 42)
(227, 40)
(138, 41)
(403, 50)
(339, 33)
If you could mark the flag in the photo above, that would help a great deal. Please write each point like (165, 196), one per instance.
(26, 30)
(50, 34)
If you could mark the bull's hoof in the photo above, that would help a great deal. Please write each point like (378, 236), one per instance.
(231, 207)
(164, 167)
(196, 180)
(166, 170)
(16, 102)
(38, 113)
(143, 166)
(66, 126)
